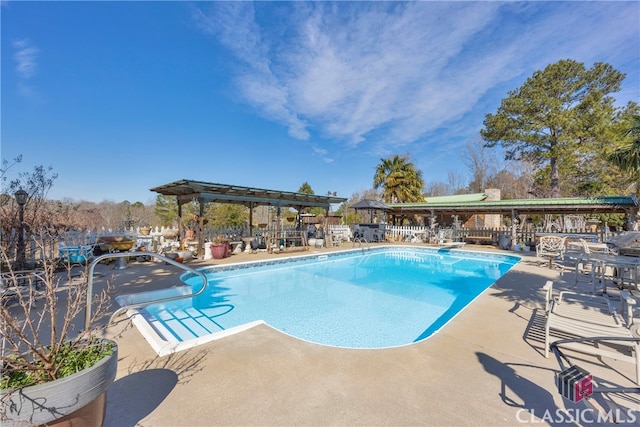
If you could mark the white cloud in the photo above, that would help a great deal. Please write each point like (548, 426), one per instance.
(25, 58)
(234, 25)
(385, 75)
(322, 153)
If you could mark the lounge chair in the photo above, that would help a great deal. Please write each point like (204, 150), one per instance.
(590, 316)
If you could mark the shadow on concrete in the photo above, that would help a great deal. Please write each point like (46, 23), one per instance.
(519, 392)
(135, 396)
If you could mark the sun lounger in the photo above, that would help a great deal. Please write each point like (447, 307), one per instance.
(588, 316)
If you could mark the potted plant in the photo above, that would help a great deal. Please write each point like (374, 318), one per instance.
(145, 231)
(54, 371)
(219, 248)
(170, 234)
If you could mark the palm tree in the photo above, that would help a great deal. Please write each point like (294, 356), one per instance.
(399, 179)
(627, 157)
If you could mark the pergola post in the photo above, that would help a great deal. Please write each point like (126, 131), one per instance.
(278, 226)
(251, 206)
(514, 227)
(180, 226)
(201, 251)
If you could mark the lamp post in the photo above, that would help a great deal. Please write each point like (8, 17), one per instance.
(21, 200)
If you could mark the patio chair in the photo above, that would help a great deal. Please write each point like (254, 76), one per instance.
(334, 239)
(620, 270)
(589, 316)
(445, 235)
(551, 248)
(19, 284)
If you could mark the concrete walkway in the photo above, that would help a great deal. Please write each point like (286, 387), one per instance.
(485, 368)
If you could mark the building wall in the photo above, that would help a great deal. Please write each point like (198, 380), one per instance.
(487, 220)
(493, 220)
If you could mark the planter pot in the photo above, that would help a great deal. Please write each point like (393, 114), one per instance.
(218, 250)
(312, 242)
(145, 231)
(78, 400)
(170, 234)
(319, 243)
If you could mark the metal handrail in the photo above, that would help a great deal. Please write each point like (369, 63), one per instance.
(360, 240)
(87, 317)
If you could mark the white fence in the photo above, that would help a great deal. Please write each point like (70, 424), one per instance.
(342, 232)
(407, 233)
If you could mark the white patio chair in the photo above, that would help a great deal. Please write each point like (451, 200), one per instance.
(551, 247)
(590, 316)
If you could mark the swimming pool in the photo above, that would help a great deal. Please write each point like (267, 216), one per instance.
(375, 298)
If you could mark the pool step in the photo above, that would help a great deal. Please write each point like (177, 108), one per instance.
(189, 324)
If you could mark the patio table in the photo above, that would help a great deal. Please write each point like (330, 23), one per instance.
(619, 263)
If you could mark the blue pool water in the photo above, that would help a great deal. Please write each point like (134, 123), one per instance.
(382, 297)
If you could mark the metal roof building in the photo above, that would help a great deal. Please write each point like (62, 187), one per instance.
(473, 204)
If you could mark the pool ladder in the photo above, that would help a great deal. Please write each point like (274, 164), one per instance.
(87, 318)
(361, 240)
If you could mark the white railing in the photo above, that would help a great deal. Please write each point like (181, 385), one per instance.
(406, 233)
(341, 232)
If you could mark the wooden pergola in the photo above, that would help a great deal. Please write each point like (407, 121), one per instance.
(187, 191)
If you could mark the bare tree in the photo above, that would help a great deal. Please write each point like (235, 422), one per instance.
(483, 164)
(437, 188)
(456, 182)
(515, 180)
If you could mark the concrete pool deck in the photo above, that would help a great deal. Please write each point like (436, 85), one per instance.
(485, 368)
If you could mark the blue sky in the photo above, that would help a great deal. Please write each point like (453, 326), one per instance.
(119, 97)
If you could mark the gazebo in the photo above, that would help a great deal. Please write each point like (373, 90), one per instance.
(371, 206)
(186, 190)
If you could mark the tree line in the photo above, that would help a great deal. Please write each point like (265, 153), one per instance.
(558, 135)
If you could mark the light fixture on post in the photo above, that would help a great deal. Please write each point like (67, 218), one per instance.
(21, 200)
